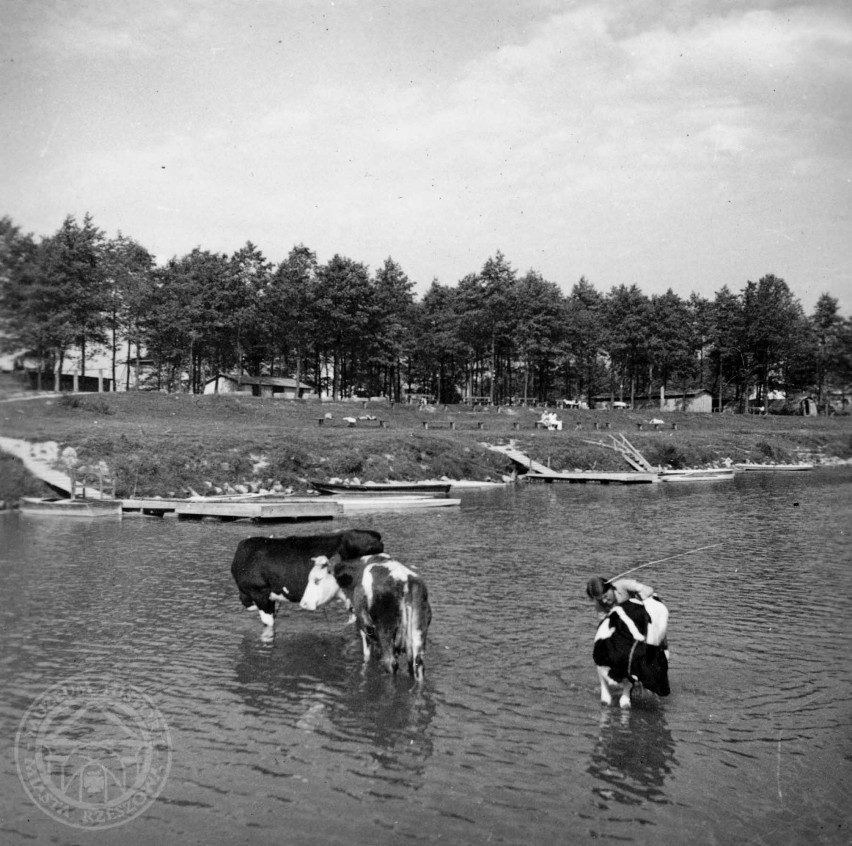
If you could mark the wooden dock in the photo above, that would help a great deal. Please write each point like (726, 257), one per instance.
(538, 472)
(289, 508)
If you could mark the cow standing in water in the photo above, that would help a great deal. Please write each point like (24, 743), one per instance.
(390, 604)
(271, 570)
(630, 646)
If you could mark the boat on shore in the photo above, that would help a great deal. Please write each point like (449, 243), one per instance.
(62, 507)
(713, 474)
(433, 489)
(767, 468)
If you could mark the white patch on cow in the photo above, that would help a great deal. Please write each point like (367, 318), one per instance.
(658, 627)
(252, 607)
(605, 630)
(631, 626)
(277, 596)
(367, 584)
(266, 619)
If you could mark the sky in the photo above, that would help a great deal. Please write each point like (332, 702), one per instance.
(675, 144)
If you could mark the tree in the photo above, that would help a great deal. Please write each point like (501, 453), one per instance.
(127, 271)
(294, 319)
(774, 329)
(585, 333)
(670, 340)
(394, 316)
(439, 355)
(828, 329)
(346, 303)
(538, 325)
(627, 314)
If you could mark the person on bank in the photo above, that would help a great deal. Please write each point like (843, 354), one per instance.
(607, 595)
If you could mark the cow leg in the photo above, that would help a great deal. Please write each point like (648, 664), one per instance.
(365, 643)
(626, 687)
(266, 609)
(603, 674)
(248, 602)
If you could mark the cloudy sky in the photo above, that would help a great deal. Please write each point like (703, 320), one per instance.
(667, 143)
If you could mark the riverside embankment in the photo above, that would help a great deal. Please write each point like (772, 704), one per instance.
(168, 444)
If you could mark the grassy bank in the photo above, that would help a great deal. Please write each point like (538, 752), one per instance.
(167, 443)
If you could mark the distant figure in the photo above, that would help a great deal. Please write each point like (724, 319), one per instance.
(607, 595)
(550, 421)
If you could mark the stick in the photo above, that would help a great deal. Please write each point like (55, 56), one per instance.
(660, 560)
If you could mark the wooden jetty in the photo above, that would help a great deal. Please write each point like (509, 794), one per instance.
(61, 507)
(538, 472)
(250, 508)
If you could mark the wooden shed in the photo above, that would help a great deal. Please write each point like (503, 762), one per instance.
(279, 387)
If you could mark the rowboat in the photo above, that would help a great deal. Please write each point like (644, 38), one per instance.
(774, 467)
(360, 504)
(713, 474)
(57, 507)
(433, 489)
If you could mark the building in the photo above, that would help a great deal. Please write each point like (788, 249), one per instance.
(257, 386)
(700, 400)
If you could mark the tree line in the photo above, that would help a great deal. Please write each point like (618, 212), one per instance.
(497, 334)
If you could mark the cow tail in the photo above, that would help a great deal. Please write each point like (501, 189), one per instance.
(415, 625)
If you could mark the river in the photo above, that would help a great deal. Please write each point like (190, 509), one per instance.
(293, 741)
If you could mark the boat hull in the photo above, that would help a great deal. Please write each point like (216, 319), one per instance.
(359, 504)
(435, 489)
(88, 508)
(774, 468)
(696, 475)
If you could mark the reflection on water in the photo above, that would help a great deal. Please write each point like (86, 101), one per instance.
(634, 754)
(506, 740)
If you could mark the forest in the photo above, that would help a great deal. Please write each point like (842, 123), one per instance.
(497, 334)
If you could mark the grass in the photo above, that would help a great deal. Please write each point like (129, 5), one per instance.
(169, 443)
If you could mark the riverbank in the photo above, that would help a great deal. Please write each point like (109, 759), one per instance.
(174, 444)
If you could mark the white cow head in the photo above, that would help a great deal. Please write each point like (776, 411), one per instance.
(322, 586)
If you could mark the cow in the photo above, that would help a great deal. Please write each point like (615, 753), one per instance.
(390, 604)
(271, 570)
(630, 646)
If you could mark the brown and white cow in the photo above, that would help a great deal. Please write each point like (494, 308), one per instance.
(630, 646)
(390, 603)
(270, 570)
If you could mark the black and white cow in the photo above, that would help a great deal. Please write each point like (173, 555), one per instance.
(630, 646)
(270, 570)
(389, 601)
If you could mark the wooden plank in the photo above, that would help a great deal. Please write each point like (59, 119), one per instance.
(307, 508)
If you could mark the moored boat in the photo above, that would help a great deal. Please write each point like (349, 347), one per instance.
(59, 507)
(774, 467)
(404, 502)
(434, 489)
(712, 474)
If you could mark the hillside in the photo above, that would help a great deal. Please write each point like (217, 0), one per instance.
(168, 443)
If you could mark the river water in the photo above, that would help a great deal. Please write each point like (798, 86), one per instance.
(294, 742)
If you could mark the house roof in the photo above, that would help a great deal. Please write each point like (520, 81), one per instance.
(270, 381)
